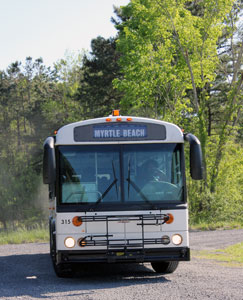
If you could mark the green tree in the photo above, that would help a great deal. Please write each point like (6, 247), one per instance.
(169, 59)
(60, 106)
(34, 101)
(23, 90)
(96, 94)
(226, 91)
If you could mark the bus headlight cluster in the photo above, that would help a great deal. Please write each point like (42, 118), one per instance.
(177, 239)
(69, 242)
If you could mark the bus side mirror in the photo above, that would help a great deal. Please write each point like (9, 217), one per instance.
(196, 164)
(49, 162)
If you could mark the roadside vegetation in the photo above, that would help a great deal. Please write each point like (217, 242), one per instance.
(223, 225)
(231, 256)
(22, 236)
(178, 61)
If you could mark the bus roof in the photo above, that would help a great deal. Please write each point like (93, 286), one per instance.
(122, 129)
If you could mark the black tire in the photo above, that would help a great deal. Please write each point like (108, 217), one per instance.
(52, 241)
(165, 267)
(62, 270)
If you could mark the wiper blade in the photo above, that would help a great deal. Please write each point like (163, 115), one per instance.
(128, 179)
(114, 182)
(138, 190)
(115, 178)
(107, 191)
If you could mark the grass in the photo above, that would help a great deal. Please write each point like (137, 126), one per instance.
(232, 255)
(24, 236)
(203, 225)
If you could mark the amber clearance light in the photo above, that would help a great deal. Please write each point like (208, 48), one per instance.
(116, 113)
(77, 221)
(170, 219)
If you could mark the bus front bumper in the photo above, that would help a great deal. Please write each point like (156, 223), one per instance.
(126, 256)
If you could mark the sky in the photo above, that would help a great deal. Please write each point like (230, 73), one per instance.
(50, 28)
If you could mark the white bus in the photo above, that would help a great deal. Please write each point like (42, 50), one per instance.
(117, 190)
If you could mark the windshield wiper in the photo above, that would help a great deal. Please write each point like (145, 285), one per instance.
(115, 178)
(114, 182)
(128, 179)
(138, 190)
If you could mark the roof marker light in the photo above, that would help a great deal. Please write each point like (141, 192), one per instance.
(129, 119)
(118, 119)
(108, 119)
(116, 112)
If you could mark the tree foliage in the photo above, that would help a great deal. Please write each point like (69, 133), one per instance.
(181, 61)
(167, 50)
(33, 103)
(96, 93)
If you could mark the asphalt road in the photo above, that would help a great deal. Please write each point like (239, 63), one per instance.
(26, 273)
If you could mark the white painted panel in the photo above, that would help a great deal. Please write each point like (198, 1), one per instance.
(121, 229)
(65, 133)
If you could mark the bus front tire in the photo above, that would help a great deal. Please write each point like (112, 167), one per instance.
(62, 270)
(165, 267)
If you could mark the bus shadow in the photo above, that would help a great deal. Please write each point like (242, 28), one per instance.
(33, 276)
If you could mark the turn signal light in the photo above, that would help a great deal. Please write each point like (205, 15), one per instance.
(77, 221)
(165, 239)
(82, 242)
(170, 219)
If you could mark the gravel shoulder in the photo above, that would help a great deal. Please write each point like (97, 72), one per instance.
(215, 239)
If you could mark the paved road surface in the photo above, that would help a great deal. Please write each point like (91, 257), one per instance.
(26, 273)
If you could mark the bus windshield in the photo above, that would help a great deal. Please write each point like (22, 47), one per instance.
(121, 173)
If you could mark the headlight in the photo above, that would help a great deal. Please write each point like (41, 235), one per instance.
(69, 242)
(177, 239)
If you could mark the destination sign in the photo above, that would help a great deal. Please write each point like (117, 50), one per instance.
(119, 132)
